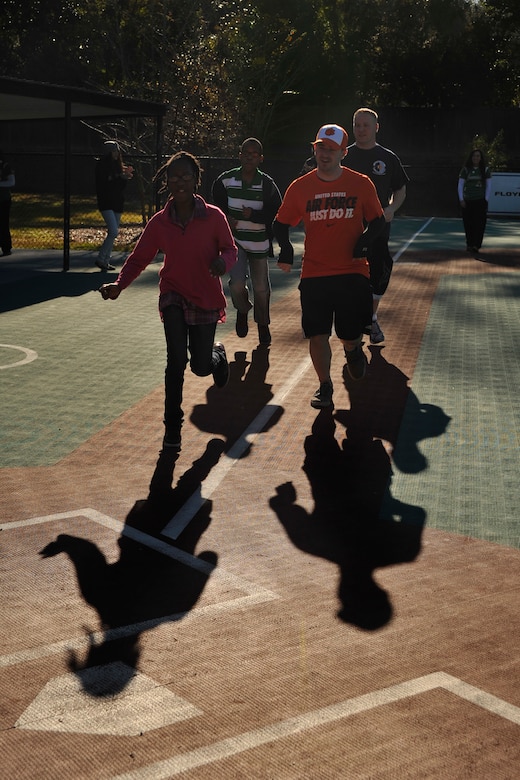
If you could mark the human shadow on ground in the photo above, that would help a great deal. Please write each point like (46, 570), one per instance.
(351, 483)
(41, 287)
(383, 406)
(230, 411)
(152, 582)
(506, 259)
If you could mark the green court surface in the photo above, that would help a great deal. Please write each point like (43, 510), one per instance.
(457, 455)
(433, 233)
(96, 359)
(93, 359)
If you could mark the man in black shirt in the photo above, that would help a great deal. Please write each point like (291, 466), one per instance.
(389, 177)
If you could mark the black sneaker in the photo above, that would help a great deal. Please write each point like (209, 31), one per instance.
(356, 363)
(221, 370)
(241, 325)
(264, 335)
(323, 395)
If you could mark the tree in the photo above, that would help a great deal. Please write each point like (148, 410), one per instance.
(228, 69)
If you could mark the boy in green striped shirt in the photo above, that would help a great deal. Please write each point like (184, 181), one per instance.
(250, 199)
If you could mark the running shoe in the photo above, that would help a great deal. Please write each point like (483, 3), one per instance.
(241, 326)
(376, 334)
(264, 335)
(323, 395)
(356, 363)
(221, 371)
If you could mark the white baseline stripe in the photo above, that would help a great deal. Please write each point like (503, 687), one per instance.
(226, 748)
(187, 512)
(255, 594)
(412, 239)
(82, 643)
(483, 699)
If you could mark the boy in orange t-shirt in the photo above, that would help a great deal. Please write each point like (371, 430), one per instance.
(342, 215)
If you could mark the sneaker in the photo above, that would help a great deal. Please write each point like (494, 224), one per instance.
(241, 325)
(221, 371)
(264, 335)
(356, 363)
(105, 266)
(376, 334)
(323, 395)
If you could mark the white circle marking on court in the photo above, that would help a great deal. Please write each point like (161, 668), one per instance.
(30, 355)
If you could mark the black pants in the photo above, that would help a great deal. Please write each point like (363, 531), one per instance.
(380, 261)
(179, 338)
(5, 233)
(474, 216)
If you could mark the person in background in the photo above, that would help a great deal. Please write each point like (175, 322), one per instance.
(384, 168)
(111, 178)
(7, 181)
(198, 249)
(250, 200)
(474, 189)
(342, 216)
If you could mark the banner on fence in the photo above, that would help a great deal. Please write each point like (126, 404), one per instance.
(505, 194)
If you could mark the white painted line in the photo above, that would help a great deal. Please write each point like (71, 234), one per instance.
(162, 770)
(255, 594)
(30, 355)
(483, 699)
(82, 643)
(187, 512)
(412, 239)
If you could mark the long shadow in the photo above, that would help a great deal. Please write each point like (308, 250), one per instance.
(356, 523)
(385, 407)
(151, 583)
(230, 411)
(344, 527)
(40, 287)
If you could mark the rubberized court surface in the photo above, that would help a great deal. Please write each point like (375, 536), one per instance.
(297, 594)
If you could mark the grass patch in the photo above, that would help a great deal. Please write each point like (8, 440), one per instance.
(37, 223)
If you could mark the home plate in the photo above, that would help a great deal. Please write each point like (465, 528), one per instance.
(111, 699)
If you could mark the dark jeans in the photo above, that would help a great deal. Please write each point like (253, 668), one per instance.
(5, 233)
(474, 217)
(180, 338)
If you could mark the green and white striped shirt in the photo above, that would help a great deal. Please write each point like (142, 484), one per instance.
(251, 236)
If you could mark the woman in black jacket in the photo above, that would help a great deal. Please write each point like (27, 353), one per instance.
(111, 177)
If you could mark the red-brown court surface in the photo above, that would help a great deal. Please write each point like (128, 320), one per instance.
(287, 633)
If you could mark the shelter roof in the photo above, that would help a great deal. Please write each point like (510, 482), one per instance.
(20, 99)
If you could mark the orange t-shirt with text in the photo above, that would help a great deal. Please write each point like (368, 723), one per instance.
(334, 215)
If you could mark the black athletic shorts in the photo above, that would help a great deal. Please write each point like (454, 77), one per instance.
(343, 301)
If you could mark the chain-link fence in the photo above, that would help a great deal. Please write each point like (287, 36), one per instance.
(38, 209)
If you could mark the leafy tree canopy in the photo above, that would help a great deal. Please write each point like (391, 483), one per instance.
(228, 68)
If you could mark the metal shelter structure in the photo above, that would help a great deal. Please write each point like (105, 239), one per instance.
(22, 100)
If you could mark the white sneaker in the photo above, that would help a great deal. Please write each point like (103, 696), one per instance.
(105, 266)
(376, 334)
